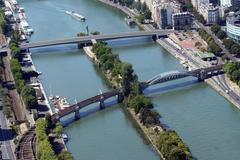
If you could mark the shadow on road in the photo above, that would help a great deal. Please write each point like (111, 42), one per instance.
(6, 134)
(42, 108)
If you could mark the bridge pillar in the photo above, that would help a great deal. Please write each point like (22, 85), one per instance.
(120, 97)
(154, 37)
(202, 75)
(101, 104)
(55, 118)
(77, 114)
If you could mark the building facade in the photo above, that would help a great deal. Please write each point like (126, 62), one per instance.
(233, 27)
(181, 20)
(210, 13)
(235, 3)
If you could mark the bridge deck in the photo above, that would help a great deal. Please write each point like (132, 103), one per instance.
(87, 39)
(87, 102)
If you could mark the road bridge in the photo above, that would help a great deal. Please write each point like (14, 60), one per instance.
(88, 39)
(201, 74)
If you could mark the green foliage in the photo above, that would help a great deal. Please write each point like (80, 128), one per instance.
(45, 151)
(127, 77)
(140, 18)
(65, 155)
(95, 33)
(172, 147)
(215, 28)
(29, 95)
(232, 70)
(147, 14)
(48, 119)
(27, 92)
(232, 46)
(149, 117)
(213, 47)
(17, 74)
(82, 34)
(221, 34)
(186, 7)
(109, 61)
(142, 105)
(126, 2)
(2, 22)
(58, 128)
(228, 43)
(139, 102)
(44, 148)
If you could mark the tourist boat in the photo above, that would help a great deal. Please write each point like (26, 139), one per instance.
(76, 15)
(60, 103)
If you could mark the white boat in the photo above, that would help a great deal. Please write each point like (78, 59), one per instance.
(64, 137)
(26, 28)
(76, 15)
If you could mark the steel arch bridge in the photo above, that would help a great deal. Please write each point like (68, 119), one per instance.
(167, 76)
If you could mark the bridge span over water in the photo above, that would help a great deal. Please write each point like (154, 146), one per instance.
(87, 39)
(201, 74)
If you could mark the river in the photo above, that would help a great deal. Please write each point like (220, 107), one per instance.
(206, 121)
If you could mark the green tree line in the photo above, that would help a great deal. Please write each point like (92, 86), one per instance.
(233, 47)
(232, 69)
(44, 147)
(2, 22)
(172, 147)
(142, 8)
(27, 92)
(212, 46)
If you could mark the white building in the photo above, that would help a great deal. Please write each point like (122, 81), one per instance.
(225, 3)
(209, 12)
(195, 3)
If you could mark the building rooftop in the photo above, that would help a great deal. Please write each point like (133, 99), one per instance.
(181, 13)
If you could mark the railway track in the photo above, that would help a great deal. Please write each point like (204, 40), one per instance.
(26, 149)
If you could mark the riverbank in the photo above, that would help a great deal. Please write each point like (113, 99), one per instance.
(148, 133)
(45, 101)
(129, 12)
